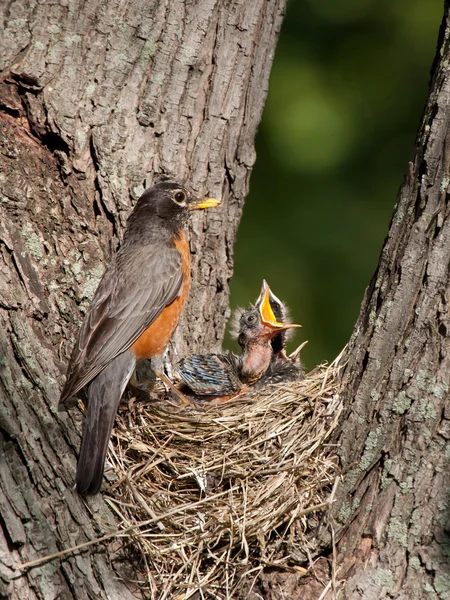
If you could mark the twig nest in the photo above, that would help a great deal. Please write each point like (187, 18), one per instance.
(219, 493)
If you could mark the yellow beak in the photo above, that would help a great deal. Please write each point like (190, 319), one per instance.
(203, 202)
(267, 314)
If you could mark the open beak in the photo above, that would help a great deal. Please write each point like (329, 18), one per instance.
(272, 298)
(203, 202)
(264, 287)
(266, 313)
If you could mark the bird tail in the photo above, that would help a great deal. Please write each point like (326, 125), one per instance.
(104, 395)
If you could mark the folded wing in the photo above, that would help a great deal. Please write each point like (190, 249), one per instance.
(127, 301)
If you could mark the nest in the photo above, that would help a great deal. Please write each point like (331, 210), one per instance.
(213, 496)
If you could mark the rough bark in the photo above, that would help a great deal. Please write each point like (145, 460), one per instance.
(97, 100)
(391, 515)
(395, 438)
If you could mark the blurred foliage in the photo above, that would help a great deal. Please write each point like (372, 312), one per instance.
(348, 87)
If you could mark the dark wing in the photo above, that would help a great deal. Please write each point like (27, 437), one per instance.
(281, 370)
(133, 292)
(210, 374)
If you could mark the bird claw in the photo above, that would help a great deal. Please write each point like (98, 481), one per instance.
(143, 378)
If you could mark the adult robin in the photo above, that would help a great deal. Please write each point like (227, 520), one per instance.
(132, 316)
(283, 368)
(229, 374)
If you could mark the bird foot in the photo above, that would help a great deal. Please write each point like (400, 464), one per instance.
(143, 378)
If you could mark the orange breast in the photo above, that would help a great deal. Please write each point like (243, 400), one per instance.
(156, 337)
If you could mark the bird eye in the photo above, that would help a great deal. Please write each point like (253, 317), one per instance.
(251, 319)
(179, 197)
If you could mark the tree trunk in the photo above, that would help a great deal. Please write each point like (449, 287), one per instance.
(97, 100)
(394, 442)
(391, 514)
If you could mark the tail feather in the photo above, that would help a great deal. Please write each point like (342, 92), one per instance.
(104, 393)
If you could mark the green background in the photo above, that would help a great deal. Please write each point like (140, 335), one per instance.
(347, 90)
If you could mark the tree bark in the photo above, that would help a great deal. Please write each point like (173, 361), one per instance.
(98, 100)
(391, 515)
(394, 442)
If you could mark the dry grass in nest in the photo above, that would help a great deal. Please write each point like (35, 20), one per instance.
(214, 495)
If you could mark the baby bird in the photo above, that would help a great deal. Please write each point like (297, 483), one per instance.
(282, 368)
(227, 375)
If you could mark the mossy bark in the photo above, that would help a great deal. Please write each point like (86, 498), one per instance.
(96, 101)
